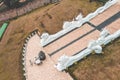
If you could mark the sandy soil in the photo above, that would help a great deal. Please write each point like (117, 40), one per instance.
(18, 29)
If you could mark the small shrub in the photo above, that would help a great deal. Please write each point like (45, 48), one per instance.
(42, 25)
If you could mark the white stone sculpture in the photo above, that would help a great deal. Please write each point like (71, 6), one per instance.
(62, 62)
(94, 45)
(91, 44)
(97, 49)
(44, 37)
(66, 24)
(99, 10)
(79, 17)
(104, 33)
(66, 61)
(117, 34)
(69, 26)
(102, 37)
(112, 37)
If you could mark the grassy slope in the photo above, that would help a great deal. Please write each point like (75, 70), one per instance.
(11, 45)
(100, 67)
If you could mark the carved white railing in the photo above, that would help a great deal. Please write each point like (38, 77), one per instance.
(69, 26)
(95, 45)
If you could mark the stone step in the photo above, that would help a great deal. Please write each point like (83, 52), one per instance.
(67, 38)
(77, 46)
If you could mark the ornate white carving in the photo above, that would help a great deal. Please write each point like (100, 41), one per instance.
(104, 33)
(79, 17)
(68, 26)
(44, 37)
(94, 45)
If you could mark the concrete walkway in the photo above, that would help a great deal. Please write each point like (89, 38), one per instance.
(45, 71)
(52, 48)
(69, 44)
(78, 39)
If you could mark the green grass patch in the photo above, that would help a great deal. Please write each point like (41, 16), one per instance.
(2, 29)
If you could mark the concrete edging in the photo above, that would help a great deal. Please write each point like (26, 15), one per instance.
(24, 49)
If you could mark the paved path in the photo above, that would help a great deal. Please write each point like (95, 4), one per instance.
(67, 39)
(114, 26)
(105, 15)
(76, 46)
(70, 44)
(78, 39)
(46, 71)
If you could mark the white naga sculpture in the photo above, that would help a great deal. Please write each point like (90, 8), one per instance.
(94, 45)
(79, 17)
(44, 37)
(77, 22)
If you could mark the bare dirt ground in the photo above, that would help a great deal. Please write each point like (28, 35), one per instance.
(1, 24)
(49, 19)
(100, 67)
